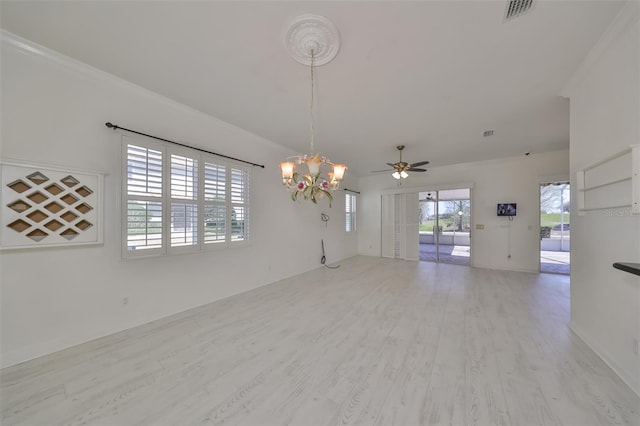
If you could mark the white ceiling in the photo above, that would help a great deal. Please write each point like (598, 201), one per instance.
(432, 75)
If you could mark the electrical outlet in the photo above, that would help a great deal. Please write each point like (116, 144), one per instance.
(125, 301)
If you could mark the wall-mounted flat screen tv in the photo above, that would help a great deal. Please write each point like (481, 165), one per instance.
(506, 209)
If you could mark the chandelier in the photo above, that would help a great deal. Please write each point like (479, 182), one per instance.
(312, 40)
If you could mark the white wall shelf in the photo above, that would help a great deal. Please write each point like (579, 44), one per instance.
(611, 183)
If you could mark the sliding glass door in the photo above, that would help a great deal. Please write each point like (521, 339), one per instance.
(445, 226)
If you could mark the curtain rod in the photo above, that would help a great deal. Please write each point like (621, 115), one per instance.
(351, 190)
(115, 127)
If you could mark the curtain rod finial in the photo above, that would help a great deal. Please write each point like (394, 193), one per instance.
(111, 126)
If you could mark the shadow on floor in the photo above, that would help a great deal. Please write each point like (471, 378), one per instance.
(459, 255)
(550, 261)
(555, 262)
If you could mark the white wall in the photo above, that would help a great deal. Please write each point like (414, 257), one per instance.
(514, 180)
(605, 111)
(53, 113)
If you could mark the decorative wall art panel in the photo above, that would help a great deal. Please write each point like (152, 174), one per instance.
(44, 207)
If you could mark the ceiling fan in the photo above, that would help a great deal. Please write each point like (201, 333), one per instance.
(401, 168)
(429, 197)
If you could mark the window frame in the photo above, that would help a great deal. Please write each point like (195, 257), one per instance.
(167, 200)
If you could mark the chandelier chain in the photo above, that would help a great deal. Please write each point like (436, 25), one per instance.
(312, 100)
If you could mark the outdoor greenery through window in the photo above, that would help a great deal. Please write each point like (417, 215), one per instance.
(180, 200)
(350, 212)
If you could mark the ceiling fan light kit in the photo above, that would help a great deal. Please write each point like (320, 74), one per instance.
(400, 175)
(312, 40)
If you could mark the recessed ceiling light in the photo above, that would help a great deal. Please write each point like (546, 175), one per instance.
(488, 133)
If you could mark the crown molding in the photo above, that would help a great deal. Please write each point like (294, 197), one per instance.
(629, 14)
(27, 47)
(423, 187)
(10, 41)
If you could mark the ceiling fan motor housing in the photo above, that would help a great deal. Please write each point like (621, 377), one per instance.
(403, 166)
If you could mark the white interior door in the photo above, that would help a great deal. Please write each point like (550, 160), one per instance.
(399, 226)
(388, 237)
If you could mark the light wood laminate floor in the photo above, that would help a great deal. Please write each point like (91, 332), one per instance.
(375, 342)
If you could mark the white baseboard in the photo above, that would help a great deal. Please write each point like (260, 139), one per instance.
(627, 377)
(40, 349)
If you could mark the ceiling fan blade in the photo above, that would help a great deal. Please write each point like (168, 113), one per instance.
(417, 170)
(419, 163)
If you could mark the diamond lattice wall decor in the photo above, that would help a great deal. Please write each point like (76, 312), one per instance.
(44, 207)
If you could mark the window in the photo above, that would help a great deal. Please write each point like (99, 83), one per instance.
(350, 212)
(178, 200)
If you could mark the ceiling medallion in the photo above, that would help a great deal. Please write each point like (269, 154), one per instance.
(312, 33)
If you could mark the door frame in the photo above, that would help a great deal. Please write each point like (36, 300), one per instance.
(542, 180)
(453, 186)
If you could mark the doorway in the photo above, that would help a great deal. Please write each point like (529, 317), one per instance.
(445, 226)
(555, 228)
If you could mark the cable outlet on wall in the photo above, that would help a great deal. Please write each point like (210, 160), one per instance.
(125, 301)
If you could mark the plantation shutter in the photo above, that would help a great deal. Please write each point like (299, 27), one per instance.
(350, 212)
(178, 200)
(239, 204)
(215, 203)
(144, 209)
(184, 201)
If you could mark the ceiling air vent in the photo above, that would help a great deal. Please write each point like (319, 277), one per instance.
(516, 8)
